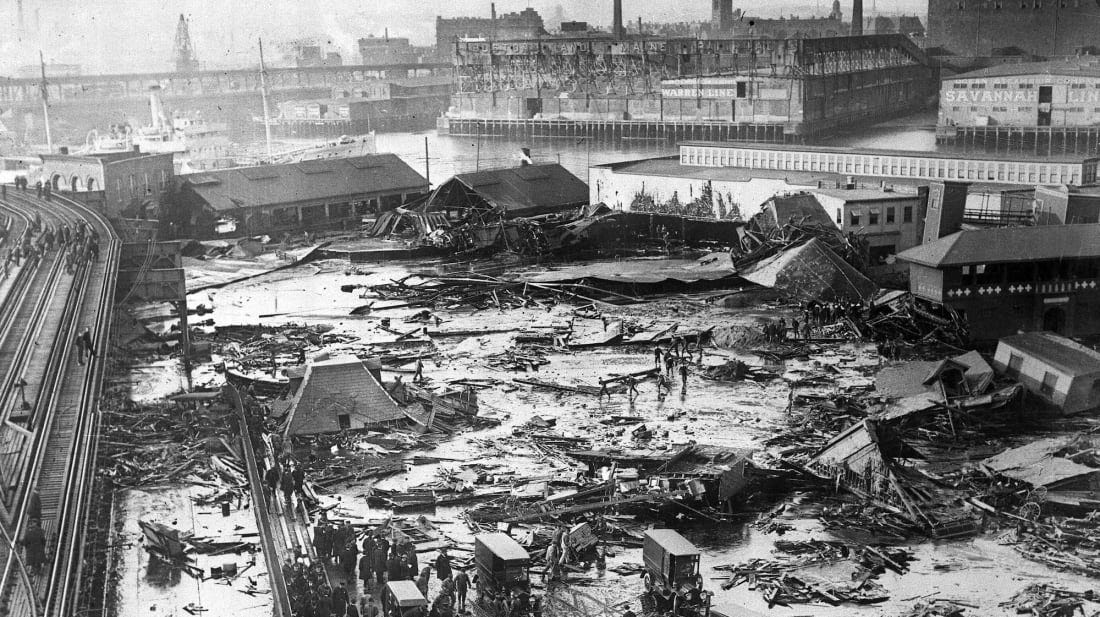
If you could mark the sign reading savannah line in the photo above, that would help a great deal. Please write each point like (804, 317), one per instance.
(1015, 96)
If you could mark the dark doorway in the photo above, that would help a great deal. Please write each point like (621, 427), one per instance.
(1054, 319)
(1046, 97)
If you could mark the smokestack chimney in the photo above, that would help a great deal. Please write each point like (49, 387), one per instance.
(387, 35)
(857, 18)
(617, 19)
(493, 11)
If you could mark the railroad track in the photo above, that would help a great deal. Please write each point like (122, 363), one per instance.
(53, 451)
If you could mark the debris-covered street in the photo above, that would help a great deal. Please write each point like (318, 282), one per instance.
(536, 410)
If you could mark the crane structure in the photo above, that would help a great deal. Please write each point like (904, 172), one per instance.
(185, 51)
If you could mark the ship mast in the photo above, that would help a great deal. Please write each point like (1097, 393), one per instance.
(45, 102)
(263, 93)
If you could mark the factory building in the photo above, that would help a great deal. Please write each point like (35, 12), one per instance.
(1061, 93)
(526, 24)
(793, 88)
(987, 28)
(375, 50)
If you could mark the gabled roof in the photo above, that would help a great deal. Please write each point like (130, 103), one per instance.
(519, 191)
(1008, 244)
(267, 185)
(340, 386)
(1057, 351)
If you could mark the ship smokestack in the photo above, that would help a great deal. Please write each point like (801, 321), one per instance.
(857, 18)
(617, 19)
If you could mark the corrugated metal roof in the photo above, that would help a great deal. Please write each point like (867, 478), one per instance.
(1064, 68)
(1008, 244)
(322, 179)
(1059, 352)
(520, 191)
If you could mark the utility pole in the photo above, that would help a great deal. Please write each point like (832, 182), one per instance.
(45, 101)
(427, 164)
(263, 94)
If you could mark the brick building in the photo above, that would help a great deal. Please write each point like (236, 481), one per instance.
(129, 185)
(526, 24)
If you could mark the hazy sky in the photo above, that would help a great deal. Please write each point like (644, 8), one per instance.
(137, 35)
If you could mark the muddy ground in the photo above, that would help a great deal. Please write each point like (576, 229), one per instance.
(980, 571)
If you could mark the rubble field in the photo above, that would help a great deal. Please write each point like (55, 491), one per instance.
(816, 474)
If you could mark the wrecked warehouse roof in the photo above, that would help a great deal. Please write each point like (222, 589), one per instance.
(339, 394)
(1008, 244)
(1057, 351)
(710, 267)
(800, 209)
(308, 181)
(1038, 463)
(811, 272)
(520, 191)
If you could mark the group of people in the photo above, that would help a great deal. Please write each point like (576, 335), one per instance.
(814, 315)
(287, 476)
(80, 243)
(380, 561)
(311, 595)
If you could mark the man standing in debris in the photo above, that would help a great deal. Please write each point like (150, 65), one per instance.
(633, 385)
(393, 568)
(34, 541)
(462, 587)
(365, 569)
(287, 484)
(418, 377)
(551, 572)
(322, 540)
(271, 476)
(379, 563)
(443, 564)
(684, 375)
(299, 476)
(414, 563)
(670, 362)
(657, 357)
(349, 558)
(339, 599)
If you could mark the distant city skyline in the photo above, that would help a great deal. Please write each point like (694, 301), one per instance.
(121, 36)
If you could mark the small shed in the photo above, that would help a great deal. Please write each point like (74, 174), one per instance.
(339, 394)
(1055, 369)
